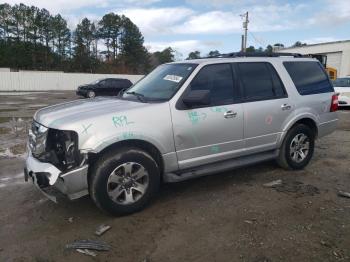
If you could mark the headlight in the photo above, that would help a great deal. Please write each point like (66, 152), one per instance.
(63, 148)
(37, 139)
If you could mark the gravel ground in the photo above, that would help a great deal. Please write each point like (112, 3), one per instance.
(225, 217)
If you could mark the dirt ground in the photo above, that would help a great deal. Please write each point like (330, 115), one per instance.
(225, 217)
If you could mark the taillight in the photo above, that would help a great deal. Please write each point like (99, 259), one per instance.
(334, 104)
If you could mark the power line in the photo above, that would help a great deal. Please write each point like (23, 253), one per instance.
(260, 42)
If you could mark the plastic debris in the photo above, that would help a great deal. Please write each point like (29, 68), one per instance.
(70, 220)
(86, 252)
(273, 183)
(101, 229)
(89, 244)
(344, 194)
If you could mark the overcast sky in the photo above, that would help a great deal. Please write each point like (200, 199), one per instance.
(205, 25)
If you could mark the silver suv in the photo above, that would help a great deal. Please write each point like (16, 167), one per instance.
(183, 120)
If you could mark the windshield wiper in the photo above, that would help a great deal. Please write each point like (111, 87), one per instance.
(139, 96)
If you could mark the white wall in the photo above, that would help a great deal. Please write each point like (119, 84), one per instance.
(341, 49)
(38, 81)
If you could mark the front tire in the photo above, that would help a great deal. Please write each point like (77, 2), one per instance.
(124, 181)
(297, 148)
(91, 94)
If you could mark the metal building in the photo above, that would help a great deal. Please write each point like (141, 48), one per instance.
(338, 54)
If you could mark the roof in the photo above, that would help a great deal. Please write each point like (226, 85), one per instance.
(217, 60)
(318, 44)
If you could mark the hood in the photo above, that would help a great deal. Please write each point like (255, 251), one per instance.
(84, 86)
(79, 110)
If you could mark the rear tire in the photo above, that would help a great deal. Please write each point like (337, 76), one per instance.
(124, 181)
(297, 148)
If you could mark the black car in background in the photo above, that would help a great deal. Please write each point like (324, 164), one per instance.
(104, 87)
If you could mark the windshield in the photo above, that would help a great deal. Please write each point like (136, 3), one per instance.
(342, 82)
(95, 82)
(162, 83)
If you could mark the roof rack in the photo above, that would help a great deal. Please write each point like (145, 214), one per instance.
(255, 54)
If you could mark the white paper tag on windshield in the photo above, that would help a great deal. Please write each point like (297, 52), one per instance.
(173, 78)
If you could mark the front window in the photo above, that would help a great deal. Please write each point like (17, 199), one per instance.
(161, 84)
(341, 82)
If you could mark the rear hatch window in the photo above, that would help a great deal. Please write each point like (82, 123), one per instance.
(309, 77)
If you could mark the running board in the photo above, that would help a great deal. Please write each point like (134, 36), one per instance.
(221, 166)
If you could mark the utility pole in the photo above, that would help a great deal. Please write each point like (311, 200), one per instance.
(245, 27)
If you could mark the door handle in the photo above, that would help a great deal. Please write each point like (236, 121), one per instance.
(230, 114)
(286, 107)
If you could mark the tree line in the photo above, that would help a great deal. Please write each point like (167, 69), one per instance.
(251, 49)
(33, 39)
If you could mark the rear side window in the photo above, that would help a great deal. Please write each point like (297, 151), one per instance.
(218, 79)
(260, 81)
(309, 77)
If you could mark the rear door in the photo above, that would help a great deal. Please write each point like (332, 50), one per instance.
(315, 92)
(266, 105)
(214, 132)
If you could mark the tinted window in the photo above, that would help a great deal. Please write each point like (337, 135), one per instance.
(218, 80)
(309, 77)
(116, 83)
(109, 83)
(125, 83)
(260, 81)
(103, 83)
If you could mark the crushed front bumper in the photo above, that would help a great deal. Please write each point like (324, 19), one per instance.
(52, 182)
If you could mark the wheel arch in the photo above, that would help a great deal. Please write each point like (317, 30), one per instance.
(307, 120)
(146, 146)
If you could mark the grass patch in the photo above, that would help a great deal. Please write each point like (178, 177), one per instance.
(18, 149)
(4, 119)
(8, 110)
(5, 130)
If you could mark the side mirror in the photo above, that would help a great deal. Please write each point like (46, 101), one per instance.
(197, 98)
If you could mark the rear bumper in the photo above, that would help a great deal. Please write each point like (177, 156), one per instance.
(327, 128)
(52, 182)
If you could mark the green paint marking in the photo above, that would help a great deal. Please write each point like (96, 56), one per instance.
(85, 129)
(219, 109)
(215, 149)
(195, 117)
(130, 135)
(120, 121)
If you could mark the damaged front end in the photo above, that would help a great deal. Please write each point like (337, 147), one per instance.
(54, 162)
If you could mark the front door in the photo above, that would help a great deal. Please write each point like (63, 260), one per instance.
(213, 132)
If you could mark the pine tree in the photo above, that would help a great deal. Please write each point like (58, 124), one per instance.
(133, 53)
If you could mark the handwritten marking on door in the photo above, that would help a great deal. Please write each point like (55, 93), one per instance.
(195, 117)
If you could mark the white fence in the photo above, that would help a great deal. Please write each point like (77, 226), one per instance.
(41, 81)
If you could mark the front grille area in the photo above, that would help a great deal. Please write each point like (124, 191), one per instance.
(57, 147)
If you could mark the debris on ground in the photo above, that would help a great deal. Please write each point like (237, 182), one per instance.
(273, 183)
(298, 188)
(86, 252)
(89, 244)
(70, 220)
(293, 187)
(101, 229)
(344, 194)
